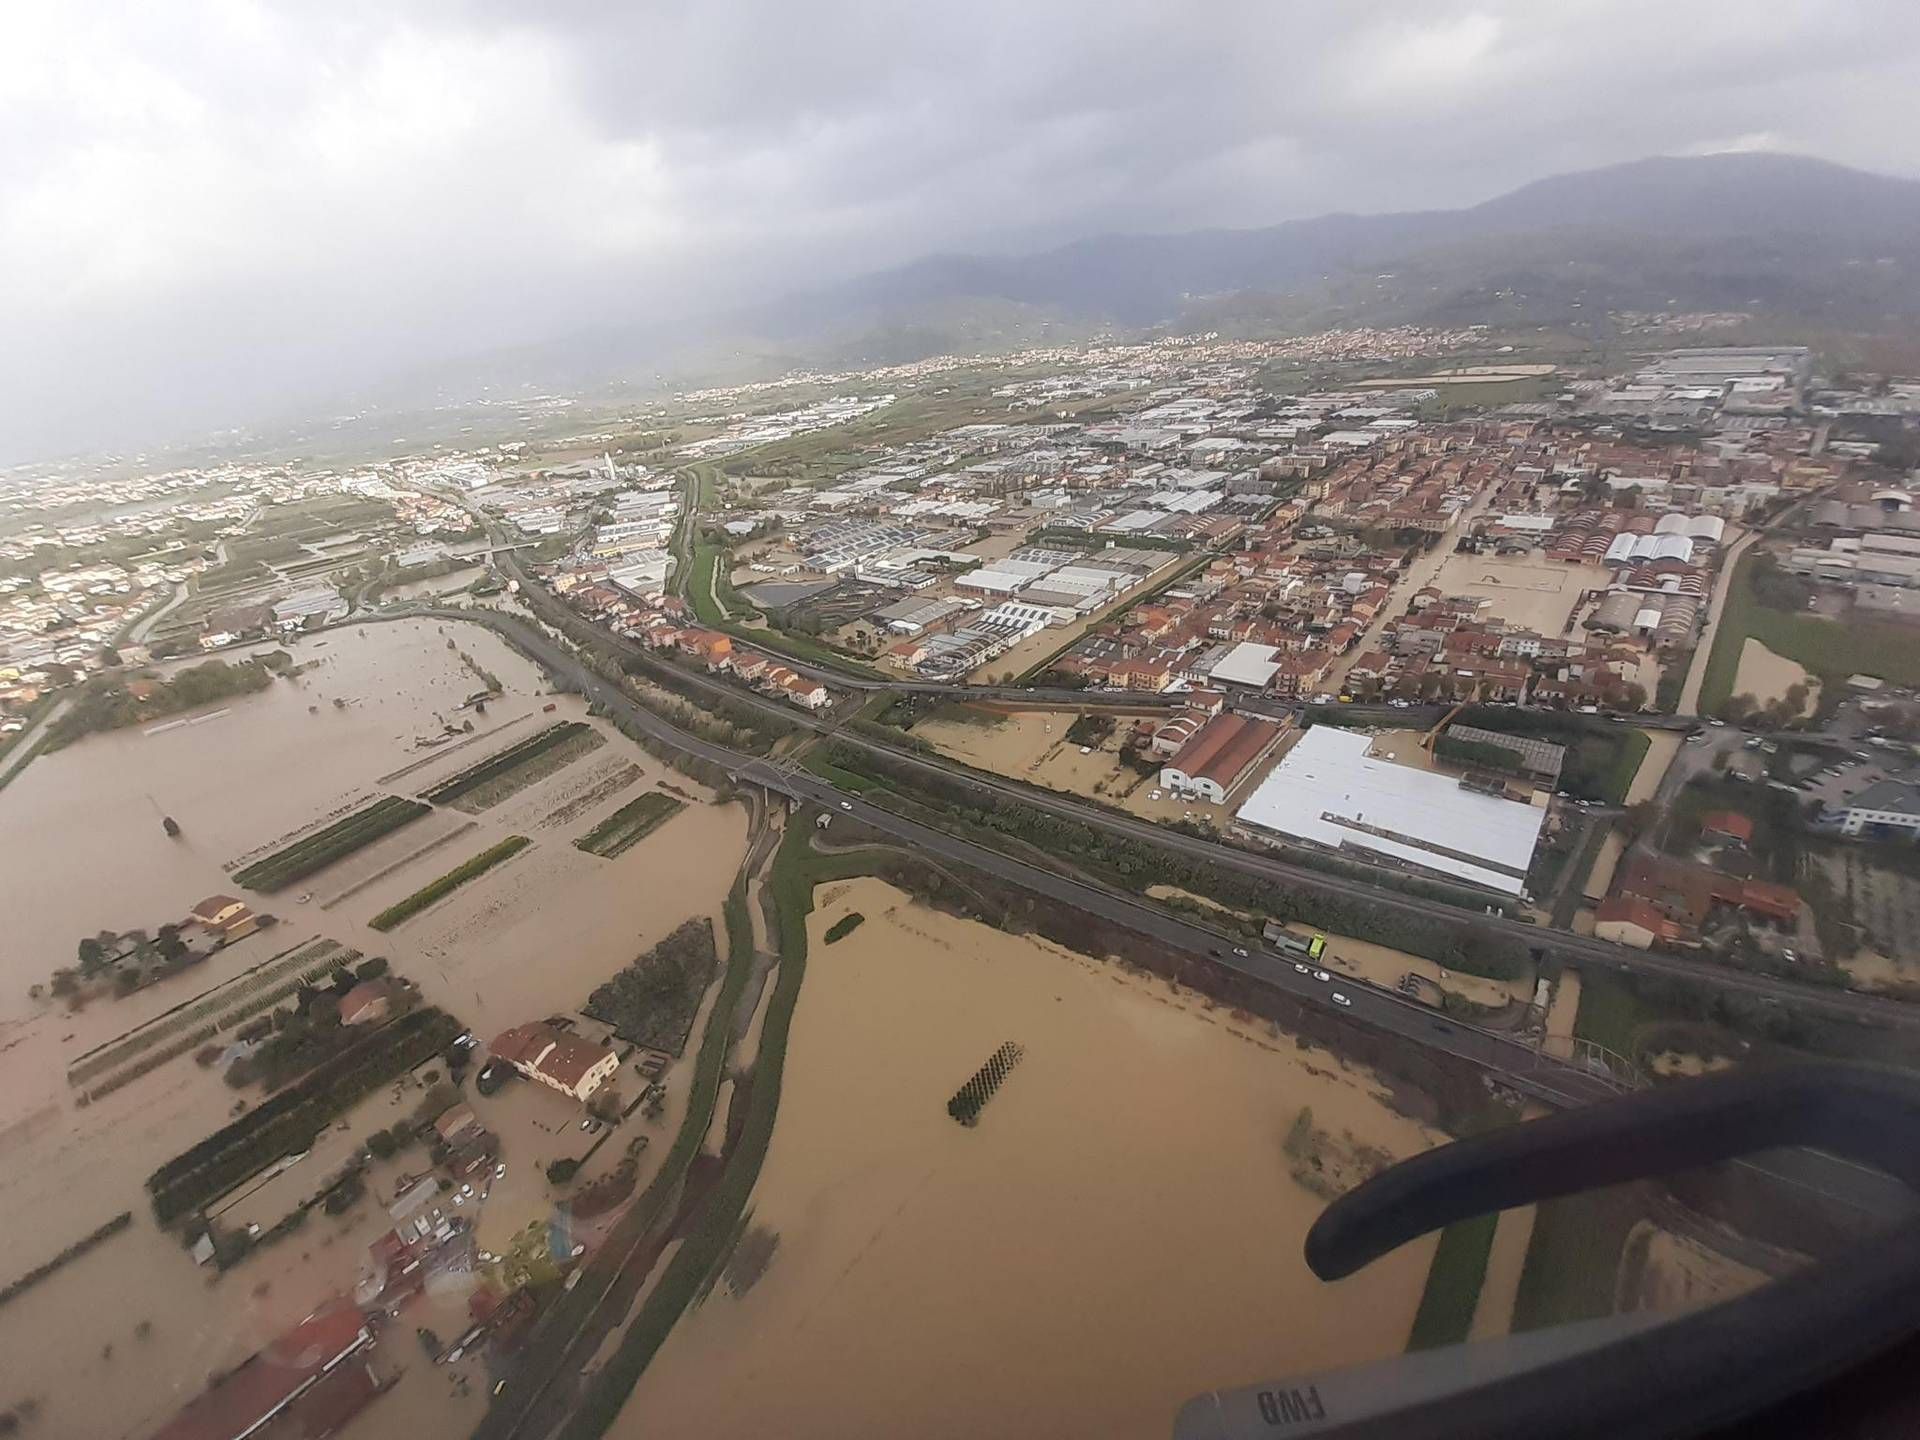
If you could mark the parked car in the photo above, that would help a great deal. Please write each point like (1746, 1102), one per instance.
(1321, 975)
(1340, 999)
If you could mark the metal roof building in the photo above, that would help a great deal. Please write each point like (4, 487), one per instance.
(1329, 791)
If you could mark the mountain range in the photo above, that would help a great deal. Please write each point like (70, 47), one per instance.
(1781, 235)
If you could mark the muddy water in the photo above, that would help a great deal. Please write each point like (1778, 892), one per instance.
(85, 850)
(1119, 1232)
(1767, 677)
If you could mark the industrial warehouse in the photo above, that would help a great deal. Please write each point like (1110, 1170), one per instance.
(1329, 790)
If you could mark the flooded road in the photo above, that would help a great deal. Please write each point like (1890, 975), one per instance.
(1119, 1232)
(111, 1344)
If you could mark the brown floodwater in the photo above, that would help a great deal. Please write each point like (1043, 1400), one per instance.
(80, 830)
(1118, 1233)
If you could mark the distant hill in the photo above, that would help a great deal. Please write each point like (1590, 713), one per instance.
(1781, 234)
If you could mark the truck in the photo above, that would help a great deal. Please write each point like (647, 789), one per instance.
(1293, 945)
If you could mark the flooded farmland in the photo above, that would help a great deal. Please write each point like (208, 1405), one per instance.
(82, 834)
(1120, 1231)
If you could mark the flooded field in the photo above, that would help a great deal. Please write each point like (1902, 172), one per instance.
(1536, 593)
(1120, 1230)
(113, 1343)
(1767, 677)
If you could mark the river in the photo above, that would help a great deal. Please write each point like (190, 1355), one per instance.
(1119, 1232)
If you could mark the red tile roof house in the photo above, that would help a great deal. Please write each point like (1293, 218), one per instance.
(1727, 825)
(556, 1058)
(1219, 757)
(310, 1381)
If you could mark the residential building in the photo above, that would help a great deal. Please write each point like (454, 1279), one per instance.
(558, 1059)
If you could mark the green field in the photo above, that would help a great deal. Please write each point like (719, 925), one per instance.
(448, 883)
(629, 825)
(1453, 1283)
(1610, 1013)
(1573, 1259)
(1830, 649)
(506, 760)
(338, 840)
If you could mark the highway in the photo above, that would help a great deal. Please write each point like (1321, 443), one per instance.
(1561, 944)
(1522, 1068)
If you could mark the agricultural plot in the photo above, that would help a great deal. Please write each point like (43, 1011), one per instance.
(224, 1009)
(323, 847)
(439, 889)
(629, 825)
(290, 1119)
(510, 771)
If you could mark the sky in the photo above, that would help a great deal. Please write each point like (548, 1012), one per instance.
(214, 212)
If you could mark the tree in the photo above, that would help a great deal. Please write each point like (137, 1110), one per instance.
(559, 1172)
(65, 981)
(93, 957)
(1635, 696)
(382, 1144)
(171, 947)
(1738, 709)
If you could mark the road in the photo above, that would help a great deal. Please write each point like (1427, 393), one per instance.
(1703, 652)
(1528, 1071)
(1564, 945)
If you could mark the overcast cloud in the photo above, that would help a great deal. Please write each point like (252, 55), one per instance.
(213, 210)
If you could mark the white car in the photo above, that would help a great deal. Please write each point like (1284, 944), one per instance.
(500, 1170)
(1321, 975)
(1086, 749)
(1302, 969)
(1340, 999)
(1154, 796)
(1238, 951)
(846, 804)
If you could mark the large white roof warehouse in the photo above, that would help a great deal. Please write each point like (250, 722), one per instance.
(1329, 791)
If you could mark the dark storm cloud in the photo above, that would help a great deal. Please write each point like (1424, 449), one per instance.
(211, 209)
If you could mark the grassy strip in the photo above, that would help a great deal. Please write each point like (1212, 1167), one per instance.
(1610, 1013)
(338, 840)
(73, 1252)
(290, 1119)
(448, 883)
(474, 776)
(795, 871)
(1453, 1283)
(844, 927)
(1573, 1260)
(629, 825)
(1626, 765)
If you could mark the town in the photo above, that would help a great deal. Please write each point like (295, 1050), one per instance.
(1384, 682)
